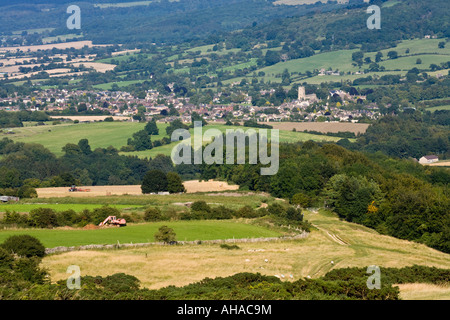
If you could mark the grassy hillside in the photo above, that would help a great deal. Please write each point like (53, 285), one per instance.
(144, 232)
(344, 243)
(116, 134)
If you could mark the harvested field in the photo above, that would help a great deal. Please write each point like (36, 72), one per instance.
(96, 191)
(124, 52)
(64, 45)
(91, 118)
(97, 66)
(439, 164)
(323, 127)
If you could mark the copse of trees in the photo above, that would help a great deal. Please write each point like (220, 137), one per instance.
(156, 181)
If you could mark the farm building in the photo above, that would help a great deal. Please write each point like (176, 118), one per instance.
(428, 159)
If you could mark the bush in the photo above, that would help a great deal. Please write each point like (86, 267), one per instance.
(229, 247)
(200, 206)
(246, 212)
(152, 214)
(301, 199)
(165, 234)
(24, 245)
(6, 259)
(43, 218)
(277, 210)
(67, 218)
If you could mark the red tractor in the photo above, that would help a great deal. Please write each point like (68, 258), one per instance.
(114, 221)
(75, 189)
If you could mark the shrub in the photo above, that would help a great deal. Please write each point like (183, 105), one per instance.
(43, 218)
(277, 210)
(6, 259)
(24, 245)
(200, 206)
(165, 234)
(152, 214)
(301, 199)
(246, 212)
(229, 247)
(221, 212)
(67, 218)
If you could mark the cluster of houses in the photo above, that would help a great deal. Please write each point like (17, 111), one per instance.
(124, 104)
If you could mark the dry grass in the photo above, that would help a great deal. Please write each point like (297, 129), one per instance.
(64, 45)
(424, 291)
(97, 66)
(158, 267)
(92, 118)
(323, 127)
(96, 191)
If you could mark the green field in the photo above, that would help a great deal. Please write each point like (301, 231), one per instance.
(432, 109)
(116, 134)
(144, 232)
(99, 134)
(284, 135)
(120, 84)
(77, 207)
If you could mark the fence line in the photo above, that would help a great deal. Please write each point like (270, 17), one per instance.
(195, 242)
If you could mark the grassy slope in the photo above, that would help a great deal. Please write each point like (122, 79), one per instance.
(116, 134)
(144, 232)
(27, 207)
(161, 266)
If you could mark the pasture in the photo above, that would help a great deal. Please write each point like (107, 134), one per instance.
(160, 266)
(144, 233)
(116, 134)
(77, 207)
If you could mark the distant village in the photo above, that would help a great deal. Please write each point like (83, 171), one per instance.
(168, 107)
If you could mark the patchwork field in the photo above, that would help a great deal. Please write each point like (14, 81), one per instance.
(144, 233)
(77, 207)
(158, 266)
(64, 45)
(96, 191)
(116, 134)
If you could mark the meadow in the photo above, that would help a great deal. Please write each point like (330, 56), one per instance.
(160, 266)
(116, 134)
(144, 233)
(77, 207)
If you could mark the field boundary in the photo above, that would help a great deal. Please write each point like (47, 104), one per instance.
(62, 249)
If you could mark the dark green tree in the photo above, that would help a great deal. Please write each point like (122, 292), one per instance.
(154, 181)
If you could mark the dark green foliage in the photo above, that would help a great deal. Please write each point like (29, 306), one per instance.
(229, 247)
(174, 183)
(151, 128)
(43, 218)
(165, 234)
(200, 206)
(152, 214)
(24, 245)
(154, 181)
(141, 141)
